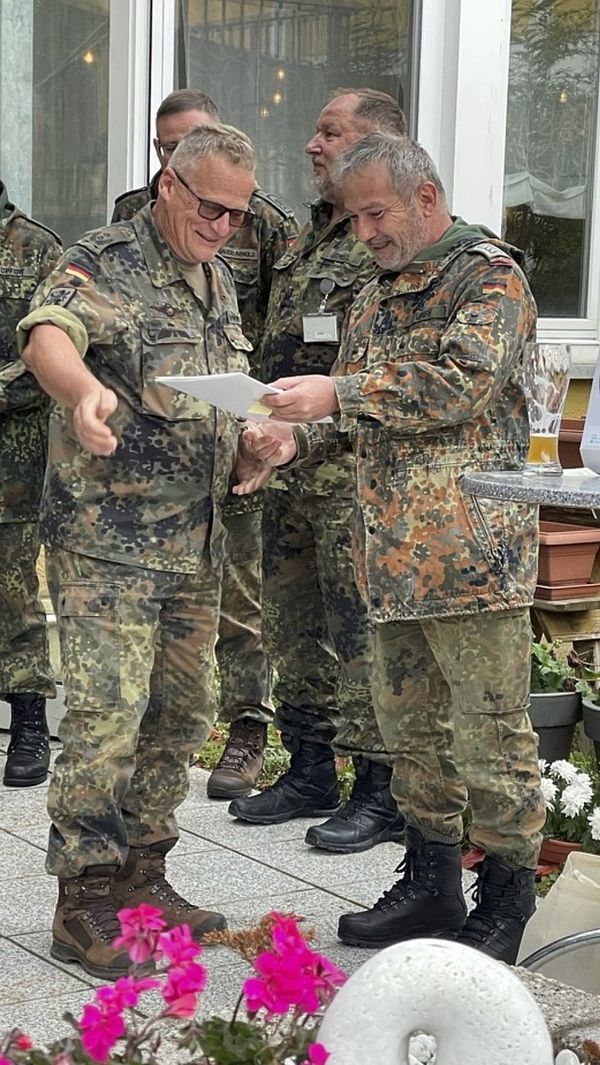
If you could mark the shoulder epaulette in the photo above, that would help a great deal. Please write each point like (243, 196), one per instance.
(496, 255)
(220, 261)
(132, 192)
(272, 201)
(97, 240)
(38, 225)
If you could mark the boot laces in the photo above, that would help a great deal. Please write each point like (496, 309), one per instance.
(160, 887)
(496, 904)
(28, 739)
(238, 752)
(418, 879)
(100, 913)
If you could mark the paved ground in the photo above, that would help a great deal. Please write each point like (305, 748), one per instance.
(240, 870)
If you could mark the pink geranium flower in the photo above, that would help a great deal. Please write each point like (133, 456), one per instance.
(140, 929)
(178, 945)
(23, 1042)
(292, 975)
(123, 994)
(182, 988)
(100, 1031)
(5, 1061)
(317, 1055)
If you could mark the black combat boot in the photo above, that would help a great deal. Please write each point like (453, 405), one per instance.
(309, 788)
(28, 755)
(505, 900)
(239, 766)
(370, 816)
(427, 900)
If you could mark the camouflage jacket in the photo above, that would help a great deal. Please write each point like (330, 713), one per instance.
(155, 502)
(325, 251)
(250, 253)
(28, 252)
(429, 385)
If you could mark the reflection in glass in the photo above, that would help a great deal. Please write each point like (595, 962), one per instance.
(54, 110)
(550, 141)
(270, 64)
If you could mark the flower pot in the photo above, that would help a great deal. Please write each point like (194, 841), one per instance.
(567, 553)
(591, 723)
(555, 851)
(554, 716)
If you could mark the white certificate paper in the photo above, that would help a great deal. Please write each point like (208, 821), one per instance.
(234, 392)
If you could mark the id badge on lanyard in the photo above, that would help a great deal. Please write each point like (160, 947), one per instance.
(321, 328)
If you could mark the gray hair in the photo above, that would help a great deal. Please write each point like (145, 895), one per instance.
(203, 141)
(376, 110)
(408, 164)
(182, 100)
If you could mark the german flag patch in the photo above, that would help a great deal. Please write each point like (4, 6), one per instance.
(79, 272)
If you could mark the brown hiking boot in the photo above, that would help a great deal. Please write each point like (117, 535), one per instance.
(85, 924)
(142, 879)
(238, 769)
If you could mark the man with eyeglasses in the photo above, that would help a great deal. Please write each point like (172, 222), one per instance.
(131, 519)
(244, 671)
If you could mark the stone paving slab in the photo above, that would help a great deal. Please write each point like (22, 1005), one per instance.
(26, 977)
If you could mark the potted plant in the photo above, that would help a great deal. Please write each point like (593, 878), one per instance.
(590, 702)
(571, 790)
(555, 706)
(566, 558)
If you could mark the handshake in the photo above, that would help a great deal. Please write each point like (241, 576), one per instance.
(273, 443)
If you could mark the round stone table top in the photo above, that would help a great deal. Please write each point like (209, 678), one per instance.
(572, 488)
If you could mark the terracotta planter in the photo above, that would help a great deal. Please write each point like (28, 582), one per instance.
(555, 851)
(569, 440)
(554, 716)
(567, 553)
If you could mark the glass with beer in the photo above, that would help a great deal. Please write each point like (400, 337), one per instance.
(546, 380)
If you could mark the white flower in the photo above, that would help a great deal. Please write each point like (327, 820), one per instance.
(549, 790)
(563, 770)
(544, 765)
(576, 796)
(594, 822)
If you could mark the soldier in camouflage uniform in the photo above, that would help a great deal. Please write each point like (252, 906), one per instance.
(428, 383)
(28, 251)
(314, 620)
(131, 518)
(244, 670)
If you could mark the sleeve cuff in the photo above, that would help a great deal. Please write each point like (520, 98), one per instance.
(347, 390)
(58, 316)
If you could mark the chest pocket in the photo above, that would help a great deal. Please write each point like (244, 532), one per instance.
(244, 269)
(17, 284)
(419, 339)
(167, 349)
(238, 349)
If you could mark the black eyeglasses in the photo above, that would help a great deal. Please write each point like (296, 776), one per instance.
(167, 149)
(211, 211)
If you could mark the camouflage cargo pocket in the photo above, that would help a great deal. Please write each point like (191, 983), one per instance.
(88, 618)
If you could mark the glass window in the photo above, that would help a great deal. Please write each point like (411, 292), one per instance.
(54, 110)
(551, 137)
(270, 64)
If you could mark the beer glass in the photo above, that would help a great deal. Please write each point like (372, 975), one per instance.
(545, 381)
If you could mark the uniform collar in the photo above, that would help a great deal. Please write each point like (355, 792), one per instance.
(7, 209)
(161, 264)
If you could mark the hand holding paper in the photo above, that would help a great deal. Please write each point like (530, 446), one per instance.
(240, 394)
(303, 399)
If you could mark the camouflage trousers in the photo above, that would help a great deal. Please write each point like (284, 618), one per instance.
(315, 624)
(24, 659)
(451, 697)
(244, 668)
(137, 651)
